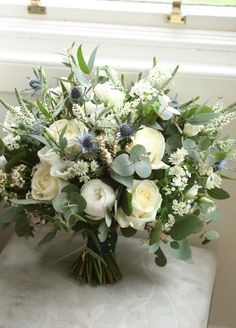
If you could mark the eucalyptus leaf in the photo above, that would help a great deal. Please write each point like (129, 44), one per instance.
(188, 225)
(128, 232)
(102, 232)
(155, 234)
(82, 64)
(183, 252)
(137, 153)
(211, 235)
(49, 237)
(126, 202)
(143, 168)
(160, 259)
(125, 181)
(92, 59)
(123, 166)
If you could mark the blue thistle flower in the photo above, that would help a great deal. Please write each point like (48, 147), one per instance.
(127, 130)
(174, 103)
(35, 84)
(76, 94)
(86, 142)
(220, 165)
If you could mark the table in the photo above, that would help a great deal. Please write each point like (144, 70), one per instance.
(36, 292)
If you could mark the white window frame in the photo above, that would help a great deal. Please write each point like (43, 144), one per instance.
(128, 36)
(208, 17)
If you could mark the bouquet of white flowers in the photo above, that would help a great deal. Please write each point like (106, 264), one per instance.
(93, 156)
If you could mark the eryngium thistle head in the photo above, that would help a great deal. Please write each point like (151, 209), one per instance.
(86, 142)
(76, 93)
(126, 130)
(220, 165)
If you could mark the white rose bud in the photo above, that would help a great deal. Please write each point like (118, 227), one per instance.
(73, 131)
(3, 163)
(154, 143)
(191, 130)
(192, 192)
(99, 196)
(146, 200)
(108, 95)
(44, 186)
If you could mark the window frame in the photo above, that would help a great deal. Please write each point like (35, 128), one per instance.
(207, 17)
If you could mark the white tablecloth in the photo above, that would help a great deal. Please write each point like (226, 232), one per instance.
(36, 292)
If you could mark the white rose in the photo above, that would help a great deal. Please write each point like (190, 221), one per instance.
(192, 192)
(191, 130)
(73, 131)
(59, 168)
(48, 155)
(3, 163)
(154, 143)
(108, 95)
(99, 196)
(146, 200)
(166, 111)
(44, 186)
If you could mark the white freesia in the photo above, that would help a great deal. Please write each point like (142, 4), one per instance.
(44, 186)
(166, 111)
(108, 95)
(192, 192)
(99, 196)
(3, 163)
(191, 130)
(154, 143)
(74, 129)
(146, 200)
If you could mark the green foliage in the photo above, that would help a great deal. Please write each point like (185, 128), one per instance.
(128, 232)
(160, 258)
(102, 232)
(125, 181)
(183, 251)
(188, 225)
(82, 64)
(218, 193)
(92, 59)
(123, 166)
(2, 147)
(155, 234)
(126, 202)
(43, 109)
(70, 205)
(49, 237)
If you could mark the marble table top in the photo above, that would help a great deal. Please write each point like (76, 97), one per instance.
(37, 292)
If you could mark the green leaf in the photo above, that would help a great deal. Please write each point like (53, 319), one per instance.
(2, 147)
(128, 232)
(43, 109)
(219, 156)
(202, 118)
(153, 248)
(60, 201)
(15, 160)
(160, 259)
(96, 256)
(137, 153)
(189, 144)
(143, 168)
(80, 77)
(22, 227)
(183, 252)
(11, 214)
(174, 244)
(125, 181)
(102, 232)
(218, 193)
(204, 143)
(123, 166)
(211, 235)
(70, 188)
(155, 234)
(29, 201)
(82, 64)
(49, 237)
(62, 140)
(126, 202)
(188, 225)
(92, 59)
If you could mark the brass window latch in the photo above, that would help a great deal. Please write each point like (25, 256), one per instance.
(35, 7)
(176, 15)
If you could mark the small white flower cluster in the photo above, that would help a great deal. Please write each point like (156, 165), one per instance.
(17, 179)
(79, 112)
(219, 106)
(129, 108)
(178, 157)
(204, 169)
(11, 141)
(22, 115)
(219, 122)
(3, 177)
(181, 208)
(82, 169)
(159, 77)
(227, 143)
(169, 224)
(180, 177)
(144, 90)
(213, 181)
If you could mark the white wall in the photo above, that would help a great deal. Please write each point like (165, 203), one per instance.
(208, 69)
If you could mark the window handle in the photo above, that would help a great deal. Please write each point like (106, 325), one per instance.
(35, 7)
(175, 16)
